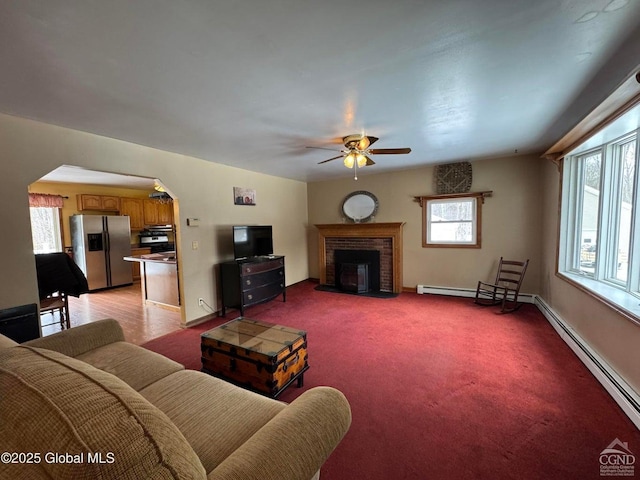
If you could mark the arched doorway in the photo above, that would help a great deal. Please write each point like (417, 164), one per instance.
(150, 205)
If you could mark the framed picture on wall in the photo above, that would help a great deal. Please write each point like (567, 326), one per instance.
(244, 196)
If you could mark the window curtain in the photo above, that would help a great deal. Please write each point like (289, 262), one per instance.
(45, 200)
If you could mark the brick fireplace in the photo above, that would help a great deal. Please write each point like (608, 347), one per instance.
(383, 237)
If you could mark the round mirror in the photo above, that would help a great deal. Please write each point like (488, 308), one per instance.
(360, 206)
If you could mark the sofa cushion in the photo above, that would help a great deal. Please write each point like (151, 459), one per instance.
(135, 365)
(54, 406)
(220, 417)
(7, 342)
(84, 338)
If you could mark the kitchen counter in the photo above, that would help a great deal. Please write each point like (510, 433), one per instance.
(162, 257)
(159, 279)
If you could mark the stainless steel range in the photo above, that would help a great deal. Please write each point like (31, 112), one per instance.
(157, 240)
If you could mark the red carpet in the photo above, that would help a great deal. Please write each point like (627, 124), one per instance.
(441, 388)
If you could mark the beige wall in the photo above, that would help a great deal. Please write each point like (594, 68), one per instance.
(510, 220)
(519, 221)
(29, 150)
(613, 336)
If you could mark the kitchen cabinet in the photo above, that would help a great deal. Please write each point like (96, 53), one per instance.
(158, 212)
(165, 213)
(134, 208)
(98, 202)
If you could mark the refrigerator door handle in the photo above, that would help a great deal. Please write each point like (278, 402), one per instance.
(107, 249)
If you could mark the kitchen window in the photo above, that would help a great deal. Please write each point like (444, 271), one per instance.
(46, 222)
(45, 229)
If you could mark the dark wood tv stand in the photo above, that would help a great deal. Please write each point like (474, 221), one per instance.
(251, 281)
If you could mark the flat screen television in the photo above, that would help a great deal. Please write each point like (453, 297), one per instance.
(252, 241)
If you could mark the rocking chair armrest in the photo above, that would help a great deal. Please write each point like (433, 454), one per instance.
(493, 286)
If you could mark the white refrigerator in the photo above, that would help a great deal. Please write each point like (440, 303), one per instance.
(99, 244)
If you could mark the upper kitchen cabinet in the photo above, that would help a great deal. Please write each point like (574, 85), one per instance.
(165, 213)
(105, 203)
(158, 212)
(134, 208)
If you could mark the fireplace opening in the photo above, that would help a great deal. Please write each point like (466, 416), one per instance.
(357, 271)
(354, 277)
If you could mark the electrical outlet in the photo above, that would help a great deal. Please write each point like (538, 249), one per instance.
(201, 301)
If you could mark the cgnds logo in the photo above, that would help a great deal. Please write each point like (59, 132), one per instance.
(617, 460)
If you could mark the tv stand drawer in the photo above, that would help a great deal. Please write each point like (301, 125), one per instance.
(260, 265)
(262, 293)
(251, 281)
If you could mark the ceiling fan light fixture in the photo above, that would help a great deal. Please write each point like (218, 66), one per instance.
(356, 151)
(349, 160)
(364, 143)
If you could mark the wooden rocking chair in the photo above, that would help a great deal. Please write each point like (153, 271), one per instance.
(504, 291)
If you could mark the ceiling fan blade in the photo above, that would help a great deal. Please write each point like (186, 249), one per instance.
(323, 148)
(328, 160)
(372, 140)
(369, 161)
(388, 151)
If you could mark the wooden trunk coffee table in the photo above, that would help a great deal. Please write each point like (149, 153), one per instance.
(256, 355)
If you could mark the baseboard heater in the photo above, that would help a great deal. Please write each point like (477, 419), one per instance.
(620, 391)
(465, 292)
(615, 385)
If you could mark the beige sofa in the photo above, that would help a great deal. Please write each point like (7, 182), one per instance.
(84, 403)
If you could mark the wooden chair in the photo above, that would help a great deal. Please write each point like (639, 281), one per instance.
(504, 291)
(58, 277)
(56, 302)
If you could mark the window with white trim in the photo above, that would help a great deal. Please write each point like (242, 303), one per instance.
(451, 222)
(45, 229)
(599, 229)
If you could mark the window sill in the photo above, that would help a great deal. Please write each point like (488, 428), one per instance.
(622, 302)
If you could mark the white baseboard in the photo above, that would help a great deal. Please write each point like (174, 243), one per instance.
(465, 292)
(616, 386)
(198, 321)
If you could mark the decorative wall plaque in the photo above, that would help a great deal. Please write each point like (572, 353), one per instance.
(453, 178)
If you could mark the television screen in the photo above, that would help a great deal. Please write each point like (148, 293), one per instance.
(252, 241)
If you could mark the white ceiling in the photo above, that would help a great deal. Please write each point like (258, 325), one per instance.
(73, 174)
(251, 83)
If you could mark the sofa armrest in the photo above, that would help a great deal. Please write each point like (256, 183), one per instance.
(295, 443)
(6, 342)
(84, 338)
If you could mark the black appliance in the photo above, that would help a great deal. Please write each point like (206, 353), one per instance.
(156, 240)
(252, 241)
(20, 324)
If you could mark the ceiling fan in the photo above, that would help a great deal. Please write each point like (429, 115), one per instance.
(357, 151)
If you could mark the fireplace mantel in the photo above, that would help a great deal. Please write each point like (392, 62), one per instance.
(392, 231)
